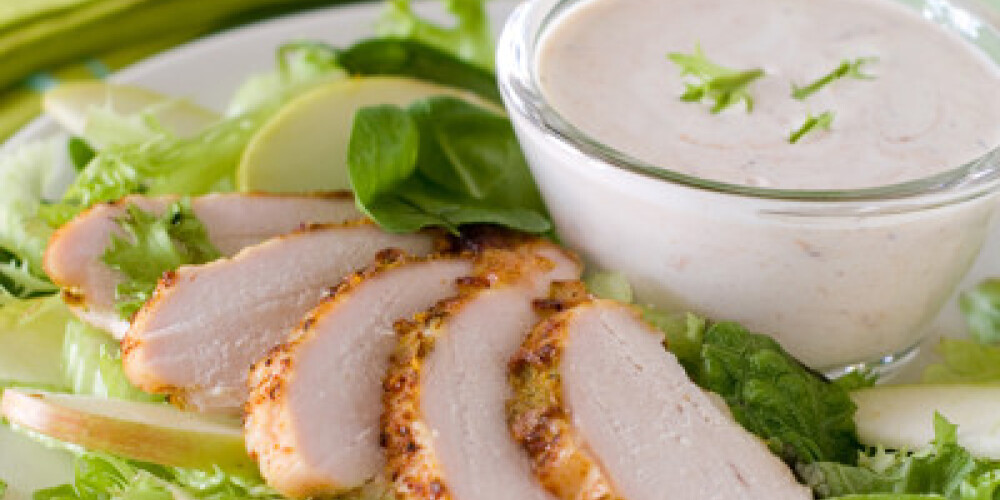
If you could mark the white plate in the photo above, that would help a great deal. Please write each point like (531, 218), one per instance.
(209, 70)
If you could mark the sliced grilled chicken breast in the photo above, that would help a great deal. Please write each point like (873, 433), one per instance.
(444, 425)
(204, 327)
(233, 221)
(313, 413)
(606, 412)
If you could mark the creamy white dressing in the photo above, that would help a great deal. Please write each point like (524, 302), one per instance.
(931, 107)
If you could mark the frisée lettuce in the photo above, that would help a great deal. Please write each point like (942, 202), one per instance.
(152, 246)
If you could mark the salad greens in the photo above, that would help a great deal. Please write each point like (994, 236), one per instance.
(822, 121)
(943, 471)
(153, 245)
(470, 38)
(441, 162)
(80, 152)
(981, 308)
(100, 476)
(847, 69)
(801, 416)
(92, 365)
(723, 87)
(390, 56)
(964, 361)
(25, 174)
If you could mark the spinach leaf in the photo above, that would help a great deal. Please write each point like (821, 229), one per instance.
(80, 153)
(469, 37)
(398, 57)
(441, 162)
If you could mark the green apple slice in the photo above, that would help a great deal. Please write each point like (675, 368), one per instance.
(70, 104)
(150, 432)
(902, 416)
(303, 147)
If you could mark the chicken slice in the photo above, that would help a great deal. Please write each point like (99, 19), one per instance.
(233, 221)
(313, 413)
(206, 325)
(444, 425)
(606, 412)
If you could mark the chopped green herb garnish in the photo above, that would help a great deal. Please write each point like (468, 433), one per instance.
(724, 87)
(847, 69)
(821, 121)
(153, 245)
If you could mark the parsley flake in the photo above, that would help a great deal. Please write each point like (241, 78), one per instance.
(846, 69)
(818, 122)
(724, 87)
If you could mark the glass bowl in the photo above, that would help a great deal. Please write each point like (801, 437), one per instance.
(841, 278)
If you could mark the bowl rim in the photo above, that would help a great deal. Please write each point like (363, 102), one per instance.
(523, 97)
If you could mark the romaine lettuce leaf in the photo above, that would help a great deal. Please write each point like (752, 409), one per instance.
(964, 361)
(408, 58)
(152, 246)
(300, 65)
(164, 164)
(944, 470)
(981, 308)
(441, 162)
(26, 172)
(104, 477)
(802, 416)
(469, 39)
(31, 339)
(17, 281)
(92, 365)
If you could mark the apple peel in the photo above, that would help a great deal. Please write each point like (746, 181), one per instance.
(150, 432)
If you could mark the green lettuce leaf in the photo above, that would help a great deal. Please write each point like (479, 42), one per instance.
(92, 365)
(611, 285)
(80, 152)
(164, 164)
(26, 171)
(31, 339)
(152, 246)
(964, 361)
(3, 489)
(395, 57)
(300, 66)
(803, 417)
(441, 162)
(469, 39)
(104, 477)
(981, 308)
(17, 281)
(944, 470)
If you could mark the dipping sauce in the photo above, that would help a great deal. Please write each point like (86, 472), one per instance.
(931, 105)
(840, 280)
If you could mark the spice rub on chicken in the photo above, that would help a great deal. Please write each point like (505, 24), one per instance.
(444, 425)
(313, 413)
(232, 221)
(606, 412)
(204, 327)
